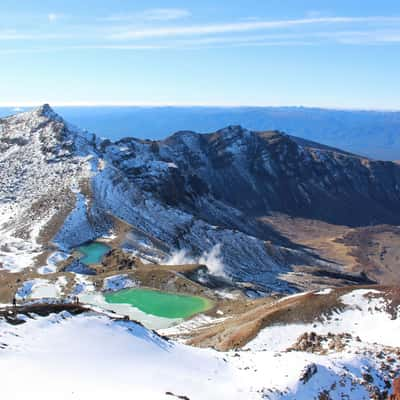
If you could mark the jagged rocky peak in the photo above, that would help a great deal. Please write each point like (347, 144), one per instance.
(47, 112)
(232, 130)
(188, 138)
(36, 116)
(229, 133)
(237, 139)
(33, 121)
(270, 171)
(40, 129)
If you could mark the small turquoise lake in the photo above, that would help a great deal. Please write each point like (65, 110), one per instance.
(93, 252)
(161, 304)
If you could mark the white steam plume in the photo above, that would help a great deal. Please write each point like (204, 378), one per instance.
(212, 259)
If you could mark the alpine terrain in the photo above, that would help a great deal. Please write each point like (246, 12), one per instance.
(236, 264)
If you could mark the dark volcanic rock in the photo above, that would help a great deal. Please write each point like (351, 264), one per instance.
(261, 172)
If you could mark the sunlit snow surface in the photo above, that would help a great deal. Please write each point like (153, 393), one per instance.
(93, 357)
(365, 317)
(51, 264)
(28, 174)
(41, 288)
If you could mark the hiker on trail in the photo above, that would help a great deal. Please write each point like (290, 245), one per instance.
(14, 302)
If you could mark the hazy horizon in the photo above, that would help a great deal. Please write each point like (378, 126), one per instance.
(370, 133)
(276, 53)
(21, 107)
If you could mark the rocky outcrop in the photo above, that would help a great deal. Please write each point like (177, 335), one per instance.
(308, 372)
(117, 259)
(261, 172)
(396, 390)
(321, 344)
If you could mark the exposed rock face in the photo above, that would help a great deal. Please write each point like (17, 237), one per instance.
(189, 191)
(321, 344)
(260, 172)
(308, 373)
(396, 390)
(117, 259)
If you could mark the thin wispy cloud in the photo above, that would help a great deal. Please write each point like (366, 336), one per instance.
(135, 50)
(152, 14)
(57, 49)
(157, 32)
(367, 38)
(165, 14)
(284, 40)
(34, 36)
(372, 30)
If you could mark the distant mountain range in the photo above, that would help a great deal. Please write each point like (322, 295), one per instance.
(370, 133)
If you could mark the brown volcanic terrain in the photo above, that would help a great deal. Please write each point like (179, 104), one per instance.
(371, 250)
(236, 331)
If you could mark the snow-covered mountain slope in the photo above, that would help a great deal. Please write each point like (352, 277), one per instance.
(94, 357)
(191, 191)
(231, 179)
(40, 168)
(273, 172)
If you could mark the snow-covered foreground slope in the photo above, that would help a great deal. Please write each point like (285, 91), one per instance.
(91, 356)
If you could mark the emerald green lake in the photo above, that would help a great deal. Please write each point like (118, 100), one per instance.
(93, 252)
(161, 304)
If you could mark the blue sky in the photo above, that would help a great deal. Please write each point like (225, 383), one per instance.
(342, 53)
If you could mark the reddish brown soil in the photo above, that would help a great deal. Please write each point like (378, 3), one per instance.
(238, 330)
(396, 390)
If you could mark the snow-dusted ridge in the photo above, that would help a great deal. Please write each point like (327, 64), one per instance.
(41, 162)
(45, 167)
(190, 191)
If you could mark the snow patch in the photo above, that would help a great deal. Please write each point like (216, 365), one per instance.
(107, 359)
(118, 282)
(324, 291)
(41, 288)
(364, 316)
(52, 261)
